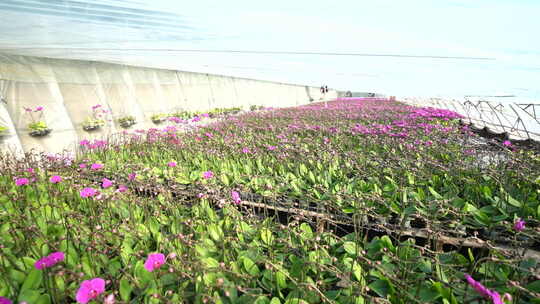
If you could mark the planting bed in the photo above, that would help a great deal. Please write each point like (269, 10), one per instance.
(353, 202)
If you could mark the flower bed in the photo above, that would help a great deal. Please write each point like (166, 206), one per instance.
(175, 217)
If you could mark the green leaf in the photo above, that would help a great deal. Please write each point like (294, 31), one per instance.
(307, 233)
(382, 287)
(428, 294)
(435, 193)
(125, 289)
(534, 286)
(267, 236)
(295, 301)
(281, 279)
(512, 201)
(275, 301)
(351, 248)
(250, 266)
(215, 232)
(28, 296)
(33, 280)
(210, 262)
(225, 180)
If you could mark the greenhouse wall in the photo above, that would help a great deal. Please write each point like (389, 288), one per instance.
(517, 119)
(68, 89)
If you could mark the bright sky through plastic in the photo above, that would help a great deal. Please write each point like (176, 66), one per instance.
(504, 31)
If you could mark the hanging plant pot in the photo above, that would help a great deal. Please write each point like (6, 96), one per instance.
(40, 133)
(159, 118)
(91, 128)
(92, 124)
(126, 122)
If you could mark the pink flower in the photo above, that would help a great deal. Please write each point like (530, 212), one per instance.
(154, 261)
(39, 108)
(82, 166)
(132, 176)
(172, 164)
(90, 289)
(21, 181)
(96, 106)
(96, 166)
(235, 197)
(5, 300)
(245, 150)
(55, 179)
(30, 170)
(209, 135)
(271, 148)
(200, 195)
(519, 225)
(507, 143)
(27, 109)
(208, 174)
(205, 115)
(88, 192)
(50, 260)
(122, 188)
(84, 142)
(109, 299)
(106, 183)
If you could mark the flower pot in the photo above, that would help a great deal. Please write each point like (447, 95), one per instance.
(91, 128)
(127, 124)
(40, 133)
(158, 121)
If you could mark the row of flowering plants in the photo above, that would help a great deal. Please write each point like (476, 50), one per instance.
(311, 204)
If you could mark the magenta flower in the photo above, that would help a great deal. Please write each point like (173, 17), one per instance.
(172, 164)
(96, 106)
(245, 150)
(82, 166)
(122, 188)
(5, 300)
(106, 183)
(30, 170)
(271, 148)
(507, 143)
(519, 225)
(84, 142)
(96, 166)
(55, 179)
(50, 260)
(27, 109)
(90, 289)
(21, 181)
(154, 261)
(39, 108)
(132, 176)
(494, 296)
(235, 197)
(88, 192)
(208, 174)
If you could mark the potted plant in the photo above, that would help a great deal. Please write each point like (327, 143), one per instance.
(38, 126)
(127, 121)
(159, 118)
(95, 121)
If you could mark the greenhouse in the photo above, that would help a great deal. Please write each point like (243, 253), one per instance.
(140, 165)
